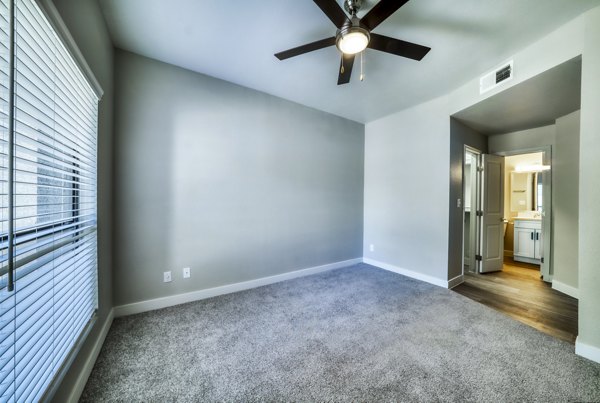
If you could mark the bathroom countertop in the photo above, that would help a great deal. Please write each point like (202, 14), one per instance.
(526, 219)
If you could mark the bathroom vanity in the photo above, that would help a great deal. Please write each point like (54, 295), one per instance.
(528, 240)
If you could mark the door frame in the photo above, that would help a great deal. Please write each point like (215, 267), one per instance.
(476, 187)
(546, 269)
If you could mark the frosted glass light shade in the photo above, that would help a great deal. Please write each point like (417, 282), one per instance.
(532, 168)
(353, 42)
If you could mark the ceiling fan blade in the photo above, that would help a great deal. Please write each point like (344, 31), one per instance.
(380, 12)
(333, 11)
(397, 47)
(309, 47)
(345, 69)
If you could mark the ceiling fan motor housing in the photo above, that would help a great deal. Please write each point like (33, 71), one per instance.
(351, 27)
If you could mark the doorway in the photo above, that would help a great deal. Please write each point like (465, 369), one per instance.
(525, 208)
(525, 246)
(507, 210)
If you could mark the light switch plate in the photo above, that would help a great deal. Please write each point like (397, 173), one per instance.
(187, 272)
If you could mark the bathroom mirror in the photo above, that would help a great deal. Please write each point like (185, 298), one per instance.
(525, 191)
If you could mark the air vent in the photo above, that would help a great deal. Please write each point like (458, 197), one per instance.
(494, 78)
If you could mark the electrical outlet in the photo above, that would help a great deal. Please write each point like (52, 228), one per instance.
(186, 272)
(167, 276)
(372, 248)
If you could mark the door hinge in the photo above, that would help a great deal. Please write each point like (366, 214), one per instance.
(478, 258)
(480, 169)
(542, 260)
(479, 213)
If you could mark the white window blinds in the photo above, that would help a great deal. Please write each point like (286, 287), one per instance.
(51, 153)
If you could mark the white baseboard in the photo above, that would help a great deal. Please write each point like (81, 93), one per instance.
(456, 281)
(408, 273)
(565, 289)
(158, 303)
(587, 351)
(91, 360)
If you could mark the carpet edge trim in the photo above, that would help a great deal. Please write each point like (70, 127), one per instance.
(565, 289)
(90, 361)
(177, 299)
(453, 282)
(587, 351)
(408, 273)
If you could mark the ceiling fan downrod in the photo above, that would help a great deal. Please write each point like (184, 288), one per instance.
(352, 6)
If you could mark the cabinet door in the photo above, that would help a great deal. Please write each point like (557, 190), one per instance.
(524, 243)
(538, 244)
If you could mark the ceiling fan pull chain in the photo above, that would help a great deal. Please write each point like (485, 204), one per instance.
(362, 75)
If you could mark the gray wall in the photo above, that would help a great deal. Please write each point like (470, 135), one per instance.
(234, 183)
(580, 36)
(589, 191)
(522, 140)
(406, 189)
(86, 24)
(565, 204)
(460, 135)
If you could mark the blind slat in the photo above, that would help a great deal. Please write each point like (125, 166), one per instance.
(53, 187)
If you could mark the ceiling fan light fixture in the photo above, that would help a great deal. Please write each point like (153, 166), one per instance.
(354, 34)
(352, 40)
(532, 168)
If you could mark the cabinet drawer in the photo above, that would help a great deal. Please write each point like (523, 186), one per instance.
(528, 224)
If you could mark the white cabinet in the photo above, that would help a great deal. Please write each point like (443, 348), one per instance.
(528, 241)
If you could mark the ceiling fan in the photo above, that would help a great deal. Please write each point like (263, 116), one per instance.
(355, 35)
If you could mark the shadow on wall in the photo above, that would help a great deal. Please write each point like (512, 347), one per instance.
(234, 183)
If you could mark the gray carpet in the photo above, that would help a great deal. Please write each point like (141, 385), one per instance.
(353, 334)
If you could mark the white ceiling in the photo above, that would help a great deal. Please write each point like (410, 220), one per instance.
(236, 40)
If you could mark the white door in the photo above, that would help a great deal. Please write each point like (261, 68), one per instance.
(471, 205)
(492, 203)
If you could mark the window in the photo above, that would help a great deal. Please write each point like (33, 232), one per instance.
(48, 263)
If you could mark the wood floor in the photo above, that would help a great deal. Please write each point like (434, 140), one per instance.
(519, 292)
